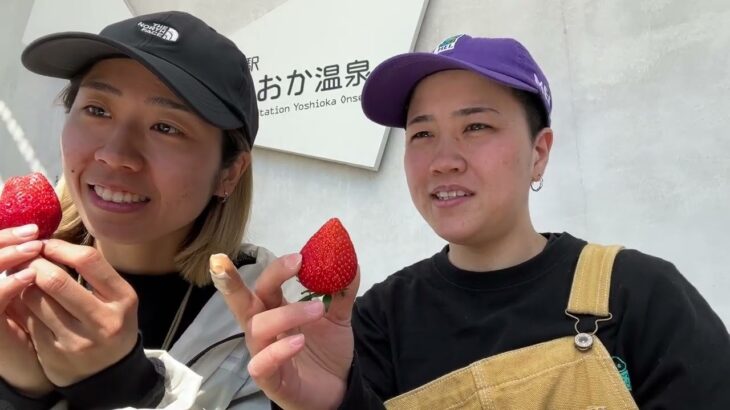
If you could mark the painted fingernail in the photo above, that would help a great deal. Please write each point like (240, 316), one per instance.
(218, 274)
(296, 341)
(25, 231)
(291, 261)
(29, 247)
(25, 275)
(216, 264)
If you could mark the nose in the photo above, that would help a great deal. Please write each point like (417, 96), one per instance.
(448, 157)
(119, 151)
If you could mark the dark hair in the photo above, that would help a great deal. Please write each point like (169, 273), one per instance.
(67, 96)
(534, 111)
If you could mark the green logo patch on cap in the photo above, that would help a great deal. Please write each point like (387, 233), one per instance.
(447, 44)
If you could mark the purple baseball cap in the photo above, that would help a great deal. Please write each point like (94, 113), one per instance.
(388, 88)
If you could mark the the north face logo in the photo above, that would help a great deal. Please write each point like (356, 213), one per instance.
(159, 30)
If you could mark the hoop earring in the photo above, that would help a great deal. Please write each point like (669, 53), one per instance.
(223, 198)
(535, 188)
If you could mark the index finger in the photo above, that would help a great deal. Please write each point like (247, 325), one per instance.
(18, 245)
(240, 300)
(91, 265)
(63, 289)
(18, 235)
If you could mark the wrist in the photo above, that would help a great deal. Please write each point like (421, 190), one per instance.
(15, 399)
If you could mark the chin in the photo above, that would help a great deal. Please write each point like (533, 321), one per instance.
(125, 235)
(455, 235)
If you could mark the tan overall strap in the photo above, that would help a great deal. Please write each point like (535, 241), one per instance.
(592, 280)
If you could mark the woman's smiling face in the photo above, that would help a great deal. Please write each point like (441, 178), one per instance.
(469, 157)
(139, 163)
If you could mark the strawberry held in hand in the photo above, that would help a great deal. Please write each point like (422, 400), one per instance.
(30, 199)
(329, 263)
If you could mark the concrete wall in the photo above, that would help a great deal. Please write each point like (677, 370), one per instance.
(641, 93)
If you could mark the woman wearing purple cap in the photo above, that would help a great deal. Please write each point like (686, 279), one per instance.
(161, 118)
(503, 316)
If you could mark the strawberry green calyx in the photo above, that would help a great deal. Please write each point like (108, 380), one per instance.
(326, 299)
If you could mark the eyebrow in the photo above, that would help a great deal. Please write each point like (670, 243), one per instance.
(458, 113)
(101, 86)
(159, 101)
(473, 110)
(419, 118)
(167, 103)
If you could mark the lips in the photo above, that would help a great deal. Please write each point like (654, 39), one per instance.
(449, 192)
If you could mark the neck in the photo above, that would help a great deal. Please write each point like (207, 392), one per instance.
(498, 253)
(143, 259)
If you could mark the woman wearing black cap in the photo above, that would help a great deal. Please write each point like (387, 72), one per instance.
(503, 316)
(156, 149)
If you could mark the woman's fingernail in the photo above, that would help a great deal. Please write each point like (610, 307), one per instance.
(218, 274)
(296, 341)
(314, 308)
(217, 269)
(25, 275)
(29, 247)
(25, 231)
(291, 261)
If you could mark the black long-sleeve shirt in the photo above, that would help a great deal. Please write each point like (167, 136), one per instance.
(432, 318)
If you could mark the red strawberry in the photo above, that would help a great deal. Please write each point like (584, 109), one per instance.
(30, 199)
(329, 263)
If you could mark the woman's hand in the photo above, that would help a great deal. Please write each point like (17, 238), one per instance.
(20, 367)
(78, 332)
(301, 356)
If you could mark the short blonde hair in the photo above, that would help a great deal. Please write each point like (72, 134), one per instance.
(218, 229)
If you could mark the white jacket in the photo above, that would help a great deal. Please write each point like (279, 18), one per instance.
(217, 378)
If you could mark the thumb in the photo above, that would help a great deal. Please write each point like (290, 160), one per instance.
(340, 309)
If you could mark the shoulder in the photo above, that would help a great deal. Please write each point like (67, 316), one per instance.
(642, 279)
(634, 271)
(649, 285)
(639, 271)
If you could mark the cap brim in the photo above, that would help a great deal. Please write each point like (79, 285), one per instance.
(388, 88)
(64, 55)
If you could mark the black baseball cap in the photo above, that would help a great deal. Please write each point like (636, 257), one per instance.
(202, 67)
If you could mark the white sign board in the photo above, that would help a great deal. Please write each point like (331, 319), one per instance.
(309, 59)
